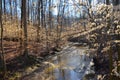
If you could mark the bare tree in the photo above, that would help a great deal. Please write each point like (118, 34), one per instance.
(41, 8)
(10, 3)
(15, 2)
(4, 6)
(46, 26)
(62, 18)
(38, 17)
(2, 58)
(28, 15)
(24, 25)
(4, 1)
(107, 2)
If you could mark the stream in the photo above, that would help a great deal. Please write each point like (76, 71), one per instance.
(72, 63)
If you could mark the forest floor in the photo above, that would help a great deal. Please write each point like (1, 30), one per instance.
(37, 50)
(16, 64)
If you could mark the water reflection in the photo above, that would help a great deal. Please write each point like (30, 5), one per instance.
(72, 64)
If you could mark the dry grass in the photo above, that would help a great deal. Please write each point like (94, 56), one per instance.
(13, 30)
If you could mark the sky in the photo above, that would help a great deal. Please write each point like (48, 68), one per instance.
(72, 8)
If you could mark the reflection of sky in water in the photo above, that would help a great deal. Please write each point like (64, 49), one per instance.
(66, 75)
(73, 60)
(67, 66)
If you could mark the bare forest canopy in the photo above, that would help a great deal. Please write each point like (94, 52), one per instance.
(72, 8)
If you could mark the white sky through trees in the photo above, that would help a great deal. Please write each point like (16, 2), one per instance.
(72, 7)
(73, 10)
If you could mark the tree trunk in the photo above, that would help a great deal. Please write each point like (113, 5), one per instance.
(62, 19)
(118, 48)
(116, 2)
(107, 2)
(46, 27)
(110, 62)
(38, 19)
(42, 18)
(24, 25)
(28, 10)
(10, 3)
(2, 59)
(4, 9)
(15, 8)
(58, 22)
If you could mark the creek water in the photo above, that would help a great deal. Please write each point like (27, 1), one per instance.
(72, 63)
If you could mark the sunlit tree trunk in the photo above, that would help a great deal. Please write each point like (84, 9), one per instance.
(31, 10)
(62, 19)
(58, 22)
(46, 26)
(2, 58)
(15, 1)
(49, 23)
